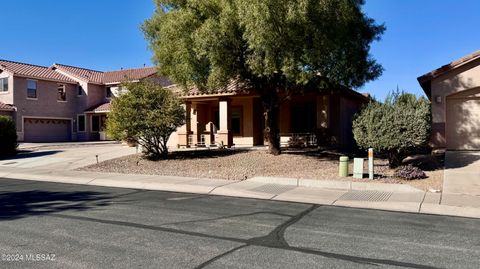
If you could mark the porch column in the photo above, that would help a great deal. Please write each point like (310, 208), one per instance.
(323, 120)
(194, 123)
(323, 111)
(186, 130)
(225, 135)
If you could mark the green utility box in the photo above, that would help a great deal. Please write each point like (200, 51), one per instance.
(343, 166)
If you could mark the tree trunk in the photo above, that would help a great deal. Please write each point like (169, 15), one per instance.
(271, 113)
(395, 158)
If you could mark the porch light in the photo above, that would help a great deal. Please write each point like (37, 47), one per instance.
(438, 99)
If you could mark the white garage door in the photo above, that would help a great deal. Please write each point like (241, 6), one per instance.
(46, 130)
(463, 123)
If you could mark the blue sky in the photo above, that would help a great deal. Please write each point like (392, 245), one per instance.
(104, 34)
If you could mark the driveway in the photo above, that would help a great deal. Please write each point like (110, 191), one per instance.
(462, 178)
(65, 156)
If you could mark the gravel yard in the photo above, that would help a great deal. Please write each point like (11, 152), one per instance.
(242, 164)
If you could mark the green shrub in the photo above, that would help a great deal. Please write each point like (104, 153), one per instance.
(146, 114)
(397, 127)
(8, 137)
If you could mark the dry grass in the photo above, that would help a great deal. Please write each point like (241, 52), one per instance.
(242, 164)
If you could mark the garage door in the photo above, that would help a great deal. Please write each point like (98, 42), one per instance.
(46, 130)
(463, 123)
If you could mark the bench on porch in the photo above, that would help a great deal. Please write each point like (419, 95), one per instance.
(298, 140)
(205, 141)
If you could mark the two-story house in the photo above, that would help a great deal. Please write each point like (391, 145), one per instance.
(61, 102)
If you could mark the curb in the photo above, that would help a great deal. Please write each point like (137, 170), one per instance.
(338, 185)
(429, 205)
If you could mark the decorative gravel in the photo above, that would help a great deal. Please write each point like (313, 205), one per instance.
(243, 164)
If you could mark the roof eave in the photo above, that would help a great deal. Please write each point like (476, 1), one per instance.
(97, 112)
(46, 79)
(426, 79)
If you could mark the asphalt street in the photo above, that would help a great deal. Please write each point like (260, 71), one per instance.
(51, 225)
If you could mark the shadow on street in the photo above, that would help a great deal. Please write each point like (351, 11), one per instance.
(31, 154)
(22, 204)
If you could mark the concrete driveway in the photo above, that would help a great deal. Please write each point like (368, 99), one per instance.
(64, 156)
(462, 178)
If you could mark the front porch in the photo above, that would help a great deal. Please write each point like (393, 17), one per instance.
(94, 123)
(238, 121)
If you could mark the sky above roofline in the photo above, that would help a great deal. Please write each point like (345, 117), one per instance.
(105, 35)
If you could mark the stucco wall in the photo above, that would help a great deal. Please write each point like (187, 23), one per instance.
(246, 105)
(96, 95)
(463, 78)
(7, 97)
(46, 104)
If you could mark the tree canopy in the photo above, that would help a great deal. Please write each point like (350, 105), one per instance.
(274, 46)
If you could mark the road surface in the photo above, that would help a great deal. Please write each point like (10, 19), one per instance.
(51, 225)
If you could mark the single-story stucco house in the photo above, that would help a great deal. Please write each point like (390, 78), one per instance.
(454, 92)
(233, 115)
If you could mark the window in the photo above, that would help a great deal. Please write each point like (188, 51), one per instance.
(108, 92)
(237, 120)
(61, 93)
(303, 118)
(31, 89)
(80, 90)
(81, 123)
(3, 84)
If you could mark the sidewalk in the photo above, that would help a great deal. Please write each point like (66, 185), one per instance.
(393, 197)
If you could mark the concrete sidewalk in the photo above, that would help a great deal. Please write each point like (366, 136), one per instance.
(394, 197)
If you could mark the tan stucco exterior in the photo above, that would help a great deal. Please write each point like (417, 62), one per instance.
(45, 105)
(325, 116)
(455, 104)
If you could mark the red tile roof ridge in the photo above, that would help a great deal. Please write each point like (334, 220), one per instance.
(87, 69)
(33, 71)
(128, 69)
(16, 62)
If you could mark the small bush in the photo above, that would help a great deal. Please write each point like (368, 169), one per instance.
(409, 172)
(8, 137)
(146, 114)
(398, 127)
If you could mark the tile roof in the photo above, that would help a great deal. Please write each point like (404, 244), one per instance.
(104, 107)
(89, 75)
(6, 107)
(34, 71)
(233, 88)
(99, 77)
(128, 74)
